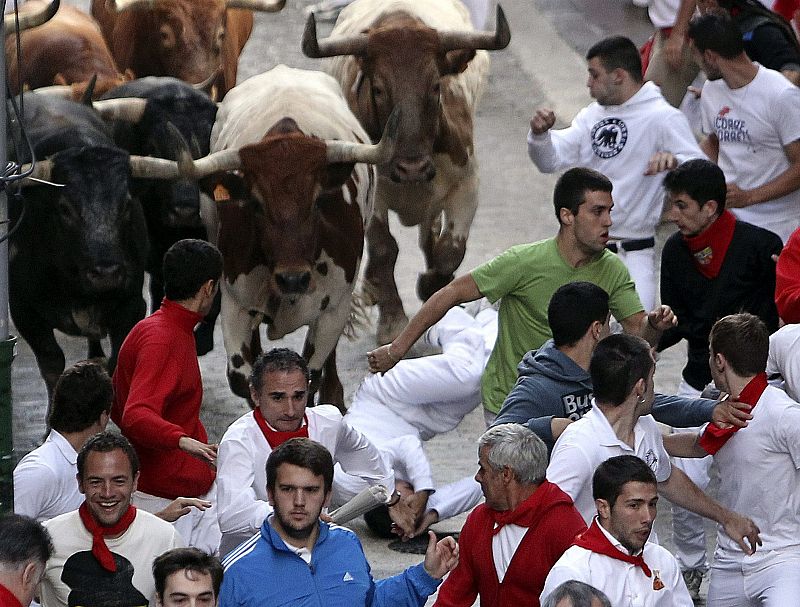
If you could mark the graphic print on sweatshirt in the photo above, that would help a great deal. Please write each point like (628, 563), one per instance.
(576, 404)
(609, 137)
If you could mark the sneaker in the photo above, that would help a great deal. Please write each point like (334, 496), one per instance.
(693, 579)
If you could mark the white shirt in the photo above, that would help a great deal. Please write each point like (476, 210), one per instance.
(588, 442)
(618, 141)
(753, 124)
(624, 583)
(759, 470)
(784, 358)
(44, 480)
(504, 545)
(241, 467)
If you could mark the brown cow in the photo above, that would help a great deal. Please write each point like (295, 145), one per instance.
(197, 41)
(67, 50)
(423, 57)
(31, 19)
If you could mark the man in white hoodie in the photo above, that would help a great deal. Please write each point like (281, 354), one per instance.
(630, 134)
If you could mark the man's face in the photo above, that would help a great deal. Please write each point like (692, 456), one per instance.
(297, 499)
(686, 213)
(630, 519)
(282, 399)
(491, 482)
(108, 483)
(593, 221)
(707, 62)
(601, 83)
(188, 588)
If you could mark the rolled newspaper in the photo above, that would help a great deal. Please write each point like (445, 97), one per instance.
(369, 499)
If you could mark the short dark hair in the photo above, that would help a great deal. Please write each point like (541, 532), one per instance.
(700, 179)
(105, 442)
(277, 359)
(716, 31)
(22, 540)
(572, 310)
(618, 362)
(188, 265)
(611, 476)
(618, 52)
(580, 594)
(743, 340)
(302, 452)
(571, 188)
(82, 394)
(191, 559)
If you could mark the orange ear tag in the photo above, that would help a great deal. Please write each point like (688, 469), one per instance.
(221, 193)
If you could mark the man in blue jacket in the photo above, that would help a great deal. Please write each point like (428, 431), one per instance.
(299, 560)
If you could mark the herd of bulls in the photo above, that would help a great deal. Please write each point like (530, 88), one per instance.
(287, 174)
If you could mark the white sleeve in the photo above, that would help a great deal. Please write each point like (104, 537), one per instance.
(238, 508)
(789, 433)
(558, 149)
(410, 462)
(677, 138)
(33, 489)
(359, 457)
(455, 498)
(663, 466)
(787, 115)
(569, 468)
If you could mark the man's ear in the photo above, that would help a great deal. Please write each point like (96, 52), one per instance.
(711, 207)
(136, 482)
(254, 396)
(603, 509)
(328, 496)
(270, 498)
(596, 329)
(30, 575)
(565, 216)
(720, 362)
(640, 388)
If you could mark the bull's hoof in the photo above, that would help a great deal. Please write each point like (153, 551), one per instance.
(390, 326)
(430, 282)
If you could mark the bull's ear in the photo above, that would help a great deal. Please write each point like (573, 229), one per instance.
(225, 187)
(455, 62)
(336, 175)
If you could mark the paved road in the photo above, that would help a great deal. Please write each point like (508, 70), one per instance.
(543, 65)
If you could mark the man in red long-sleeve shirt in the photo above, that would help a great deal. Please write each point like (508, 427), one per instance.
(158, 392)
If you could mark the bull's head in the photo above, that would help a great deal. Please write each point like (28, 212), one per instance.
(402, 63)
(285, 189)
(188, 36)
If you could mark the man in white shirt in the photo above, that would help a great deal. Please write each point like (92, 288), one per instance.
(630, 134)
(614, 554)
(751, 123)
(279, 386)
(784, 358)
(622, 369)
(759, 471)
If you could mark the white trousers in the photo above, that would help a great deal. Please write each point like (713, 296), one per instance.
(773, 581)
(198, 528)
(642, 267)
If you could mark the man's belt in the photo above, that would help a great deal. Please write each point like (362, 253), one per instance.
(632, 245)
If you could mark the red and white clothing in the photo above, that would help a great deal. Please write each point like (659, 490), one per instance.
(157, 396)
(588, 442)
(753, 123)
(44, 480)
(242, 478)
(508, 566)
(625, 584)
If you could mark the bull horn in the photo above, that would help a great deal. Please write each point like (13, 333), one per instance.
(29, 20)
(126, 109)
(263, 6)
(490, 41)
(316, 49)
(185, 160)
(218, 162)
(119, 6)
(206, 84)
(57, 90)
(345, 151)
(42, 171)
(147, 167)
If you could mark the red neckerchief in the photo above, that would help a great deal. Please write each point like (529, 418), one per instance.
(98, 531)
(595, 540)
(276, 437)
(709, 247)
(7, 598)
(714, 437)
(526, 514)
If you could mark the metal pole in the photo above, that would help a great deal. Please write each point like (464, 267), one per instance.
(7, 343)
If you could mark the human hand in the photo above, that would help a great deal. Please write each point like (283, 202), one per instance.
(431, 517)
(659, 162)
(737, 198)
(202, 451)
(326, 518)
(404, 520)
(730, 412)
(662, 318)
(542, 121)
(382, 359)
(441, 557)
(182, 506)
(417, 502)
(740, 528)
(696, 91)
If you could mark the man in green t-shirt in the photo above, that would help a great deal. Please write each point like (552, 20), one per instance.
(526, 276)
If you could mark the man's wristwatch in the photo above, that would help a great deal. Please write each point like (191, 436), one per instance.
(394, 499)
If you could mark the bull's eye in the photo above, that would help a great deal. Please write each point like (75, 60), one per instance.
(219, 39)
(378, 93)
(166, 36)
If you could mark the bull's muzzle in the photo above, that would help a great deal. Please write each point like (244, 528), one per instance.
(106, 277)
(413, 170)
(293, 282)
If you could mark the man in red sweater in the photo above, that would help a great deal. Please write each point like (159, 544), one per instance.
(158, 391)
(509, 543)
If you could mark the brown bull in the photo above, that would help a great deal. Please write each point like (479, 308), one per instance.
(423, 57)
(197, 41)
(69, 49)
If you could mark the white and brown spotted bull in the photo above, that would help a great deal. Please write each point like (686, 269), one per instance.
(290, 173)
(423, 57)
(197, 41)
